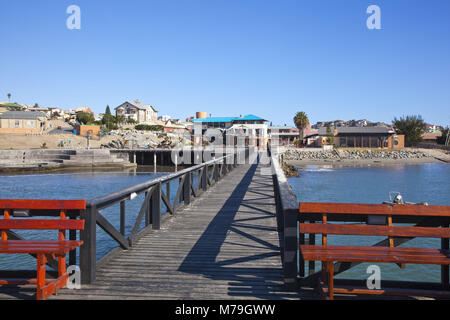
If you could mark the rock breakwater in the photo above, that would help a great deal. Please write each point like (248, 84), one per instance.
(369, 154)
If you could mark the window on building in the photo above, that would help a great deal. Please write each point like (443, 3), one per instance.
(343, 142)
(366, 142)
(351, 142)
(16, 123)
(374, 142)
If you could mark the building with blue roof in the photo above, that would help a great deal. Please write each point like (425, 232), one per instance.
(248, 125)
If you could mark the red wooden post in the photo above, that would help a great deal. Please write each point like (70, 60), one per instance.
(41, 261)
(330, 267)
(4, 234)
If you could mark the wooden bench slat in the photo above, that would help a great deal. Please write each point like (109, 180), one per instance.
(37, 243)
(60, 247)
(41, 224)
(421, 251)
(369, 230)
(375, 209)
(366, 254)
(32, 204)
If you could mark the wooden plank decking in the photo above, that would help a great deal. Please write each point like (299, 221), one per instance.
(225, 245)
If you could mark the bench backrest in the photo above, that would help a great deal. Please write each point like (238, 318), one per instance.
(62, 224)
(380, 210)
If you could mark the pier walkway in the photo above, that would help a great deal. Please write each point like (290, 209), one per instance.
(224, 245)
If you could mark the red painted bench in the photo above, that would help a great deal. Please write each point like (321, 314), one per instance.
(328, 254)
(44, 250)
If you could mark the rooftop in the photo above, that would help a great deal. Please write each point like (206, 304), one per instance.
(22, 115)
(248, 117)
(355, 130)
(139, 105)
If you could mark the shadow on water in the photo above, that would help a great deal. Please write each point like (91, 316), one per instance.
(260, 280)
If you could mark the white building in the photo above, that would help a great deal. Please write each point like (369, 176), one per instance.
(141, 113)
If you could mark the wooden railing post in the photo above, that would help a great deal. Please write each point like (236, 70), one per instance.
(205, 178)
(216, 171)
(88, 251)
(187, 189)
(290, 247)
(156, 207)
(445, 277)
(122, 217)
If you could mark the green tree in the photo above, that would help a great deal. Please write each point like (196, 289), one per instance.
(108, 111)
(412, 127)
(330, 138)
(9, 97)
(301, 122)
(85, 117)
(119, 119)
(443, 137)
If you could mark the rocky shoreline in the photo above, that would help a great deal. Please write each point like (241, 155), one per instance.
(362, 157)
(368, 154)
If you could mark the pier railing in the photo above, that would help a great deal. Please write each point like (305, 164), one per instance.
(192, 183)
(287, 211)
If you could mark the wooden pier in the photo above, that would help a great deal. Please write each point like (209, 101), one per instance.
(237, 231)
(224, 245)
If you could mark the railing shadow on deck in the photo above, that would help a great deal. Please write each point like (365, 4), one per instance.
(257, 282)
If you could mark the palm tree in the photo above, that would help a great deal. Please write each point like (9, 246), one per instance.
(301, 122)
(9, 97)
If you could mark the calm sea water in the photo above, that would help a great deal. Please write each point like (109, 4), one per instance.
(425, 182)
(75, 185)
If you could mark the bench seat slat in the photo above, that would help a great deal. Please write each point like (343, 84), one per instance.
(370, 230)
(367, 254)
(57, 247)
(41, 224)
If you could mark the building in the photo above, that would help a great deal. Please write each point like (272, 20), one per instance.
(87, 130)
(84, 110)
(249, 125)
(284, 134)
(164, 118)
(23, 122)
(363, 137)
(141, 113)
(431, 137)
(170, 127)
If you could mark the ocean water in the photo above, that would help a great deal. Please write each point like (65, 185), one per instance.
(428, 182)
(76, 185)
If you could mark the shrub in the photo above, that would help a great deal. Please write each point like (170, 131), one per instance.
(146, 127)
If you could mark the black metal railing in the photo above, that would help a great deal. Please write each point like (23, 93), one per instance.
(192, 183)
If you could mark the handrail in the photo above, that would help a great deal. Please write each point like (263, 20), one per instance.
(114, 197)
(287, 210)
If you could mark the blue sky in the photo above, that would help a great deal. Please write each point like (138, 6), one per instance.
(228, 57)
